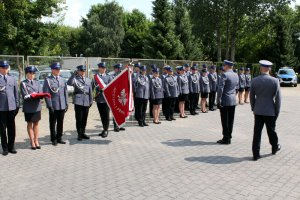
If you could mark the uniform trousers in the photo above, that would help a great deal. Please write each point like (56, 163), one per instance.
(141, 107)
(164, 106)
(7, 121)
(170, 103)
(212, 99)
(104, 115)
(227, 119)
(260, 121)
(193, 102)
(56, 118)
(81, 115)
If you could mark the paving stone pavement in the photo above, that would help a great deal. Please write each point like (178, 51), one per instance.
(174, 160)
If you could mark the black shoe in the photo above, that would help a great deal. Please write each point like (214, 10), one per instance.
(13, 151)
(84, 136)
(212, 109)
(274, 151)
(79, 138)
(33, 148)
(100, 134)
(38, 147)
(141, 124)
(54, 143)
(224, 141)
(196, 113)
(145, 124)
(116, 129)
(122, 129)
(256, 157)
(5, 153)
(61, 142)
(104, 134)
(172, 118)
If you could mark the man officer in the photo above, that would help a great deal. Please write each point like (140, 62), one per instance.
(265, 99)
(226, 101)
(213, 81)
(9, 108)
(57, 104)
(83, 99)
(102, 105)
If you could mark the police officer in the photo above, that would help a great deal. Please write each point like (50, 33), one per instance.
(171, 93)
(265, 99)
(213, 81)
(83, 99)
(187, 71)
(134, 77)
(162, 77)
(183, 86)
(102, 105)
(242, 85)
(204, 89)
(31, 106)
(142, 93)
(247, 85)
(57, 104)
(156, 94)
(226, 100)
(117, 71)
(9, 108)
(194, 88)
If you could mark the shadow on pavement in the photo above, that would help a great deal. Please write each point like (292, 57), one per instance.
(187, 143)
(218, 160)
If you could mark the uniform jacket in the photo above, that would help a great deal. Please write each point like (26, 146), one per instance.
(30, 105)
(58, 91)
(9, 96)
(83, 94)
(183, 84)
(142, 87)
(226, 89)
(171, 87)
(156, 88)
(213, 81)
(242, 81)
(194, 83)
(99, 97)
(248, 80)
(265, 95)
(204, 84)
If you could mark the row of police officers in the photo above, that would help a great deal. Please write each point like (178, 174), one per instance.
(161, 89)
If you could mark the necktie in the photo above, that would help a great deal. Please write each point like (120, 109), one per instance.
(5, 79)
(31, 82)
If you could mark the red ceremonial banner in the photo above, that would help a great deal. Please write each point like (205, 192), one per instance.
(118, 95)
(40, 95)
(100, 82)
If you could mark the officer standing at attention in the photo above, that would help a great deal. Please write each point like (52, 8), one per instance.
(248, 84)
(83, 99)
(134, 76)
(117, 71)
(102, 105)
(265, 99)
(204, 89)
(163, 76)
(194, 87)
(171, 93)
(156, 94)
(213, 81)
(226, 100)
(183, 86)
(57, 104)
(31, 106)
(142, 93)
(242, 85)
(9, 108)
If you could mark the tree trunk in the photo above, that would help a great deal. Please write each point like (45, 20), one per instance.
(233, 37)
(219, 41)
(227, 30)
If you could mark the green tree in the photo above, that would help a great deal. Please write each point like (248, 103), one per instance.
(136, 28)
(162, 42)
(183, 29)
(22, 31)
(103, 30)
